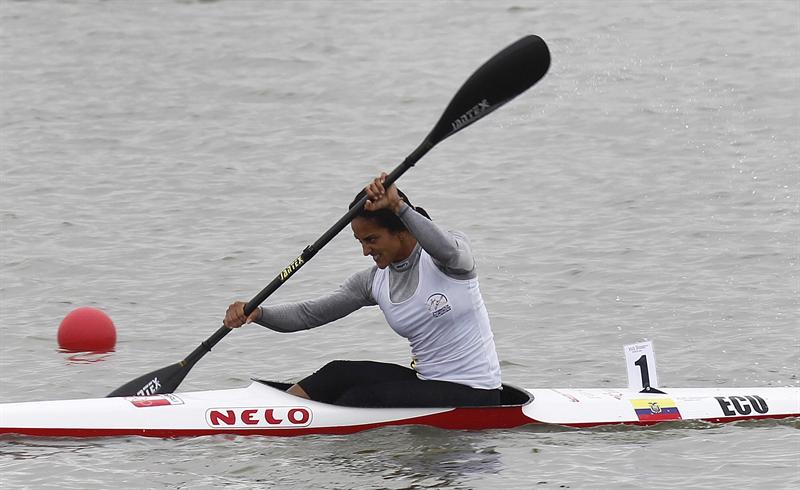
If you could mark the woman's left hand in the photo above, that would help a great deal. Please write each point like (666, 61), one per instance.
(378, 197)
(235, 317)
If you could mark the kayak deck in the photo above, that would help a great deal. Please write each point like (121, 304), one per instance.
(263, 408)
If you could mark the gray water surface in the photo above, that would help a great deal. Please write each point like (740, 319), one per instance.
(160, 159)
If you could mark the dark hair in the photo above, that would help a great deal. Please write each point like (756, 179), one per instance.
(384, 217)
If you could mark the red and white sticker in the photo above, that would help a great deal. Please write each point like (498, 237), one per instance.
(154, 401)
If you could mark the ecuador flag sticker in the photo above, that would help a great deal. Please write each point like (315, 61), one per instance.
(655, 409)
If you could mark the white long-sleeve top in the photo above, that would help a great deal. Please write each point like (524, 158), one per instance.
(432, 298)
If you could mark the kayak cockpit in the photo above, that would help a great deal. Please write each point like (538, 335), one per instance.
(513, 396)
(274, 384)
(510, 396)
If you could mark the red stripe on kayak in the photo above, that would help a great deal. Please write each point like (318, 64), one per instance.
(456, 419)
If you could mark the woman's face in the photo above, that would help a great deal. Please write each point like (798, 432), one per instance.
(384, 245)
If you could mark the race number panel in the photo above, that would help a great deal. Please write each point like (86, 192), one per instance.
(640, 360)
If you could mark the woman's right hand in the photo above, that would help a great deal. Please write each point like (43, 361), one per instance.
(235, 317)
(379, 197)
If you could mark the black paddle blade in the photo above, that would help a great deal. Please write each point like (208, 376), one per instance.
(506, 75)
(164, 380)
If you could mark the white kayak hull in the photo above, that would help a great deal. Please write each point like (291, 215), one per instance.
(261, 409)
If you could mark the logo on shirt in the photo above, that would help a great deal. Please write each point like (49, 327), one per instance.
(437, 305)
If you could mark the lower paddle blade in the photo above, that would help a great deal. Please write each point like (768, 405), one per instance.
(506, 75)
(164, 380)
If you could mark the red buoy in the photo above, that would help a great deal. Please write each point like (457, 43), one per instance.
(87, 329)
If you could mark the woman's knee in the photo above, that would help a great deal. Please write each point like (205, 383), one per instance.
(360, 396)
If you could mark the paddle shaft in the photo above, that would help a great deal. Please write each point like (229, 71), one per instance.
(308, 253)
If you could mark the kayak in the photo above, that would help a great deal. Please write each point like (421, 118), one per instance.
(264, 408)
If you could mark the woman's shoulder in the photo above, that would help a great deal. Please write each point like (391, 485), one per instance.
(360, 283)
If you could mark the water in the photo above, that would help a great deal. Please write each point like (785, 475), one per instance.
(161, 159)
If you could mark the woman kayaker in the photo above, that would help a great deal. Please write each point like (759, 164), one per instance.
(425, 282)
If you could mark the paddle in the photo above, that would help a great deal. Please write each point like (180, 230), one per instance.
(506, 75)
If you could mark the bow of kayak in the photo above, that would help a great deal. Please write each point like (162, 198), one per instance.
(259, 409)
(264, 409)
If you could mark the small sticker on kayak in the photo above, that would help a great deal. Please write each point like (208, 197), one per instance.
(154, 401)
(568, 396)
(656, 409)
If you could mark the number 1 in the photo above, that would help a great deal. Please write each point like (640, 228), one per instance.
(642, 363)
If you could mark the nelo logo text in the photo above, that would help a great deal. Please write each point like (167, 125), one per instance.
(260, 417)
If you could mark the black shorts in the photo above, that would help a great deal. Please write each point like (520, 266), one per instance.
(378, 384)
